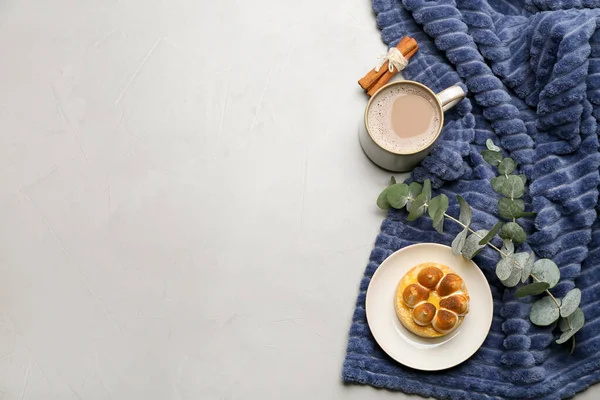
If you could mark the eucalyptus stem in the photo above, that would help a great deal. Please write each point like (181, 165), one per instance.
(535, 278)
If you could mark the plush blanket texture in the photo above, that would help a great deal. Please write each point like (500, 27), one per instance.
(532, 72)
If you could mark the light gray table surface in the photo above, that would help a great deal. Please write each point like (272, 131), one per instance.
(186, 211)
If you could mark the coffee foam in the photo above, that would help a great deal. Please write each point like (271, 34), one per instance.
(379, 120)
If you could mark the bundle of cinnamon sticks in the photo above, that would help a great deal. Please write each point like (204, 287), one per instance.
(374, 80)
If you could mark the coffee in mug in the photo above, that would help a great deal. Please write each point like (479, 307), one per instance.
(403, 120)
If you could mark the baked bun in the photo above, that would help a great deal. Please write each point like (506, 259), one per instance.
(449, 284)
(444, 321)
(423, 313)
(429, 277)
(414, 294)
(459, 303)
(431, 300)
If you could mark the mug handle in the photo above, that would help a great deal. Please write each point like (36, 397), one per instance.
(451, 96)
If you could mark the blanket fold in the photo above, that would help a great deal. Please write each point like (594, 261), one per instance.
(532, 72)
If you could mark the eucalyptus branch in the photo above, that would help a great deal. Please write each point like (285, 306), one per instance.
(513, 268)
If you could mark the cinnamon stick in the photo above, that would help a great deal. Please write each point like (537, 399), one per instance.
(385, 78)
(373, 76)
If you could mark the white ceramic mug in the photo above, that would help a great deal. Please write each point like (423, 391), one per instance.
(406, 160)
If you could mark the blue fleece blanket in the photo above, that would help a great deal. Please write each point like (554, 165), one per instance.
(532, 71)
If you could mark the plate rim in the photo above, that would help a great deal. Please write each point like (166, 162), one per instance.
(467, 354)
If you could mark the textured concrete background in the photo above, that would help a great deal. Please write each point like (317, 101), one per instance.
(186, 211)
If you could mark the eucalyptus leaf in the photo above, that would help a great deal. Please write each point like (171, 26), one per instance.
(508, 269)
(514, 232)
(507, 166)
(545, 270)
(493, 232)
(531, 289)
(512, 187)
(513, 279)
(564, 324)
(466, 214)
(527, 267)
(508, 247)
(505, 267)
(459, 241)
(521, 259)
(570, 302)
(392, 180)
(577, 319)
(397, 195)
(571, 325)
(544, 311)
(498, 182)
(438, 203)
(414, 189)
(491, 146)
(566, 335)
(438, 221)
(427, 189)
(510, 208)
(472, 246)
(418, 207)
(492, 157)
(382, 200)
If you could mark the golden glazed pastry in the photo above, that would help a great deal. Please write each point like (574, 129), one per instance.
(431, 300)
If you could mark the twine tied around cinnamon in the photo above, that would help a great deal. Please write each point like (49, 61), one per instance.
(394, 58)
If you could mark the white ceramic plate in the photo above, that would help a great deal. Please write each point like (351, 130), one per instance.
(408, 348)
